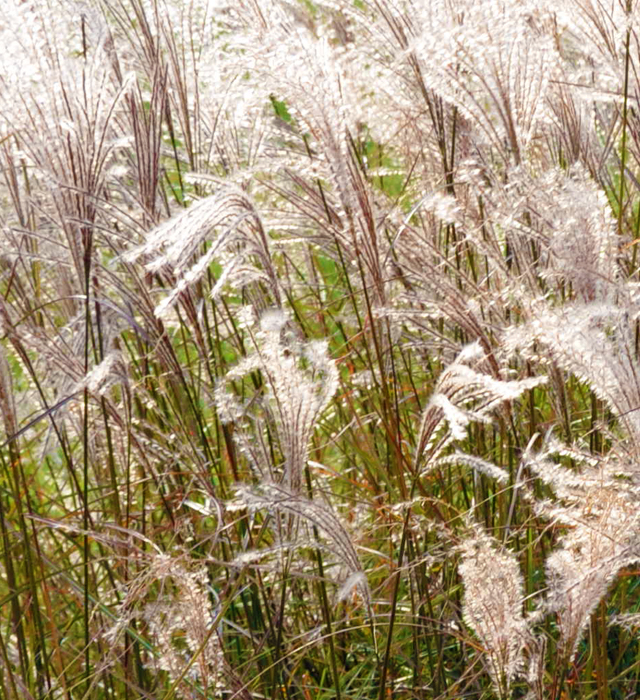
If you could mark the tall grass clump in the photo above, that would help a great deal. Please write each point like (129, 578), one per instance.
(319, 358)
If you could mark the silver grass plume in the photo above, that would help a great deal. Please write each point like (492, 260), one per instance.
(490, 59)
(230, 222)
(493, 599)
(305, 60)
(601, 541)
(464, 394)
(595, 342)
(299, 380)
(275, 498)
(182, 610)
(598, 506)
(559, 228)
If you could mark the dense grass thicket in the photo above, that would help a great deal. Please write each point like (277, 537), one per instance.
(319, 349)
